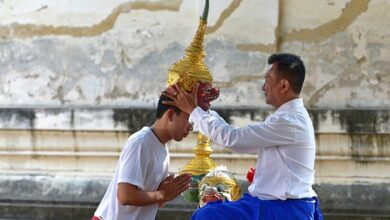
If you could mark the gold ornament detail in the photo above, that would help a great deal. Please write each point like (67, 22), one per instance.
(188, 71)
(191, 68)
(201, 164)
(231, 183)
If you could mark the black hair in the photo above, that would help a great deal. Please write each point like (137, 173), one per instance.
(162, 108)
(291, 67)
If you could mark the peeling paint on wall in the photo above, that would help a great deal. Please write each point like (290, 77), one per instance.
(224, 15)
(31, 30)
(122, 59)
(352, 11)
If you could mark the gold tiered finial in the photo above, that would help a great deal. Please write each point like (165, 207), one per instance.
(187, 72)
(202, 163)
(191, 68)
(199, 166)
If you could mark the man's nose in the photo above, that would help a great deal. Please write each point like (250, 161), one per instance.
(263, 87)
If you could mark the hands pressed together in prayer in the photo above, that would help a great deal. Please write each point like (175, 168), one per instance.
(186, 102)
(172, 186)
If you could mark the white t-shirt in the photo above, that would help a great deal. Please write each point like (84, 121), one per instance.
(285, 145)
(143, 162)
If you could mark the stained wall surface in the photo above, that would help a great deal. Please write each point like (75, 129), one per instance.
(116, 53)
(78, 77)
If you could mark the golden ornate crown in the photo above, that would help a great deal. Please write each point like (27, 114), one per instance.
(191, 68)
(212, 180)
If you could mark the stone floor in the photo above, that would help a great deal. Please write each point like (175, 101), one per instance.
(63, 212)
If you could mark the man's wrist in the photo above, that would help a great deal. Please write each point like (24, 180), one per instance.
(160, 196)
(191, 109)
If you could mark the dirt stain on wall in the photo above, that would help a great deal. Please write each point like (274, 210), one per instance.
(30, 30)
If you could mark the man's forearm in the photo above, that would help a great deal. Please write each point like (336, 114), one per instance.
(138, 197)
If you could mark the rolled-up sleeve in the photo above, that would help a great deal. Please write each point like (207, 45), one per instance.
(278, 129)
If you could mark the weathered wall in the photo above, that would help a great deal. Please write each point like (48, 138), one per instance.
(118, 53)
(77, 77)
(347, 48)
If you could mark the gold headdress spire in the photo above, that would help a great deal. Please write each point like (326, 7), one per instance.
(191, 68)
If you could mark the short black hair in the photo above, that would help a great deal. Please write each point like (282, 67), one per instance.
(291, 67)
(162, 108)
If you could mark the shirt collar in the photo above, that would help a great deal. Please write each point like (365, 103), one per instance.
(294, 103)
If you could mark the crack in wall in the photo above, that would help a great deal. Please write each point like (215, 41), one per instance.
(328, 86)
(279, 30)
(244, 47)
(320, 92)
(224, 15)
(266, 48)
(352, 10)
(29, 30)
(350, 13)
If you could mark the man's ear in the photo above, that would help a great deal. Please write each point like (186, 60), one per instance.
(284, 86)
(170, 112)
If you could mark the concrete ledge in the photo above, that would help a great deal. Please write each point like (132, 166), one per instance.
(355, 199)
(132, 119)
(58, 162)
(338, 144)
(329, 169)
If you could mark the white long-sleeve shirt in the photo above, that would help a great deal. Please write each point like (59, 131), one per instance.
(285, 145)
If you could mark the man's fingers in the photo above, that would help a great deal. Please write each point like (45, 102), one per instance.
(182, 189)
(169, 95)
(170, 177)
(182, 179)
(171, 90)
(184, 176)
(169, 103)
(195, 89)
(178, 88)
(179, 184)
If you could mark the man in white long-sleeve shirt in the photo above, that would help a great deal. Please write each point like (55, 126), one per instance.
(284, 143)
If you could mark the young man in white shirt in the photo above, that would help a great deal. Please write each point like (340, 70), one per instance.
(284, 143)
(141, 182)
